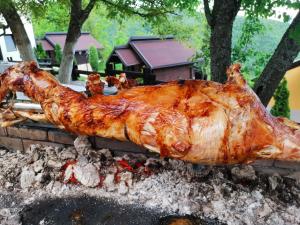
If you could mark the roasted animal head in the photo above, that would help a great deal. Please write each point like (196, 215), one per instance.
(11, 81)
(16, 77)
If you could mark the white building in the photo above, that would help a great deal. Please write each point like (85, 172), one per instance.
(8, 49)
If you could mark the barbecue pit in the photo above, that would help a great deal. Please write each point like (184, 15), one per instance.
(41, 186)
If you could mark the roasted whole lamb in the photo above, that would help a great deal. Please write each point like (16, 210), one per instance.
(197, 121)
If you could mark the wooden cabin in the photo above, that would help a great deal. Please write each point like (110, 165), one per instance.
(85, 41)
(152, 58)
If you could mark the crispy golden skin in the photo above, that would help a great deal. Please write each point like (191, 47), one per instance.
(196, 121)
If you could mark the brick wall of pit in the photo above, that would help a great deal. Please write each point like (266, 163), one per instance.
(21, 137)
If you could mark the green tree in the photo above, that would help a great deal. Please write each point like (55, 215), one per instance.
(54, 18)
(251, 27)
(93, 58)
(281, 97)
(80, 11)
(220, 19)
(58, 54)
(220, 15)
(284, 55)
(9, 10)
(252, 58)
(40, 52)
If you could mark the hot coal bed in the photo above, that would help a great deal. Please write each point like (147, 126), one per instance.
(85, 183)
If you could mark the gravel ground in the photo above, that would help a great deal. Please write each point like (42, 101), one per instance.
(54, 183)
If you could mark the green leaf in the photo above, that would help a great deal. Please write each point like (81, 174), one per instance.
(295, 34)
(286, 18)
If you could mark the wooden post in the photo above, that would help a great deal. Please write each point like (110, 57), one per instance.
(75, 73)
(149, 77)
(108, 69)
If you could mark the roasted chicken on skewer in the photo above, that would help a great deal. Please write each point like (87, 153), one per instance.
(94, 85)
(196, 121)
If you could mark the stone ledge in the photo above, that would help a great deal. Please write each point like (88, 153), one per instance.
(28, 133)
(272, 170)
(115, 145)
(3, 131)
(27, 143)
(122, 153)
(11, 138)
(264, 163)
(61, 137)
(287, 165)
(11, 143)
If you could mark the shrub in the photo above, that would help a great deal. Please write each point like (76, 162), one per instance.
(58, 53)
(75, 63)
(94, 58)
(40, 52)
(281, 97)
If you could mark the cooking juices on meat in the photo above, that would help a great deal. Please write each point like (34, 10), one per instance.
(195, 120)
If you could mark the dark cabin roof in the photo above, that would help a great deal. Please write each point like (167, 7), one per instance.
(84, 42)
(154, 52)
(127, 56)
(46, 45)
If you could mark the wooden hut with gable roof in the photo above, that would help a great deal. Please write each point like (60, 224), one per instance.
(85, 41)
(153, 58)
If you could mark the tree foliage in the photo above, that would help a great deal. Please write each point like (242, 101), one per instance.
(112, 32)
(152, 10)
(27, 7)
(267, 8)
(94, 58)
(220, 14)
(253, 59)
(250, 28)
(285, 53)
(58, 53)
(281, 97)
(55, 18)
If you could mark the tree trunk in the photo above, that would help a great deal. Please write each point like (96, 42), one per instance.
(17, 28)
(66, 66)
(284, 55)
(221, 22)
(78, 17)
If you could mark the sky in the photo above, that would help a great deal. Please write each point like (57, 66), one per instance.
(280, 10)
